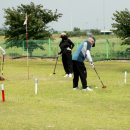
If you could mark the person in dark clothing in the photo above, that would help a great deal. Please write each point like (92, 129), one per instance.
(66, 46)
(79, 69)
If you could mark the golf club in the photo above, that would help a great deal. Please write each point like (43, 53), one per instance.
(103, 86)
(55, 65)
(2, 65)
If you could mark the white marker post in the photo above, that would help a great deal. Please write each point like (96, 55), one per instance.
(125, 77)
(36, 86)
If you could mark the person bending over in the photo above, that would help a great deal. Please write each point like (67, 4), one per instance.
(79, 69)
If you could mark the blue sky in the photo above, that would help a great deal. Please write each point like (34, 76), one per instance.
(85, 14)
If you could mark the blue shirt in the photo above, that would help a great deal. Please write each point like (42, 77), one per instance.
(81, 52)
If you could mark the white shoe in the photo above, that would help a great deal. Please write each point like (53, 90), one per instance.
(75, 88)
(70, 75)
(87, 89)
(66, 75)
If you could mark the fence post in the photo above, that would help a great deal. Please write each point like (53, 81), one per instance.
(77, 45)
(49, 46)
(107, 53)
(23, 47)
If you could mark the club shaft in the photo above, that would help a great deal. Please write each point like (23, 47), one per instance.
(55, 65)
(99, 77)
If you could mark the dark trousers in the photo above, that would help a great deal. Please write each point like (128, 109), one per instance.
(79, 70)
(67, 62)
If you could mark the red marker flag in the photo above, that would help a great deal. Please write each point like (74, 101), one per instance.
(3, 94)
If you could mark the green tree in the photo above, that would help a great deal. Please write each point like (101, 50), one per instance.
(2, 33)
(95, 31)
(121, 27)
(37, 28)
(76, 29)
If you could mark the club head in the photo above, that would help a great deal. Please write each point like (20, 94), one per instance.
(2, 78)
(104, 86)
(54, 73)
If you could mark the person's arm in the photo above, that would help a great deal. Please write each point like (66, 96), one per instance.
(60, 52)
(89, 57)
(2, 51)
(72, 44)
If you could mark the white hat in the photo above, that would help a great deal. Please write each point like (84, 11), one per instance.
(63, 34)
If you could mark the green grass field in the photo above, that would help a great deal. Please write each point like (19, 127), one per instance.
(57, 106)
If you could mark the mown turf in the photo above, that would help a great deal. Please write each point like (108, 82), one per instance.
(57, 106)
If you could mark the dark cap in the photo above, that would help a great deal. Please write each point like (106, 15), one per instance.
(94, 40)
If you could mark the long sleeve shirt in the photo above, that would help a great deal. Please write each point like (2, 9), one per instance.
(66, 45)
(83, 52)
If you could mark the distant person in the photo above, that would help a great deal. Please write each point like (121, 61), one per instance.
(79, 69)
(3, 54)
(66, 46)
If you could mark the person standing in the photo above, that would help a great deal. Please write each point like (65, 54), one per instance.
(66, 46)
(2, 62)
(79, 69)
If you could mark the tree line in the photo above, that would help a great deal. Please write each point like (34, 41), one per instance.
(38, 19)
